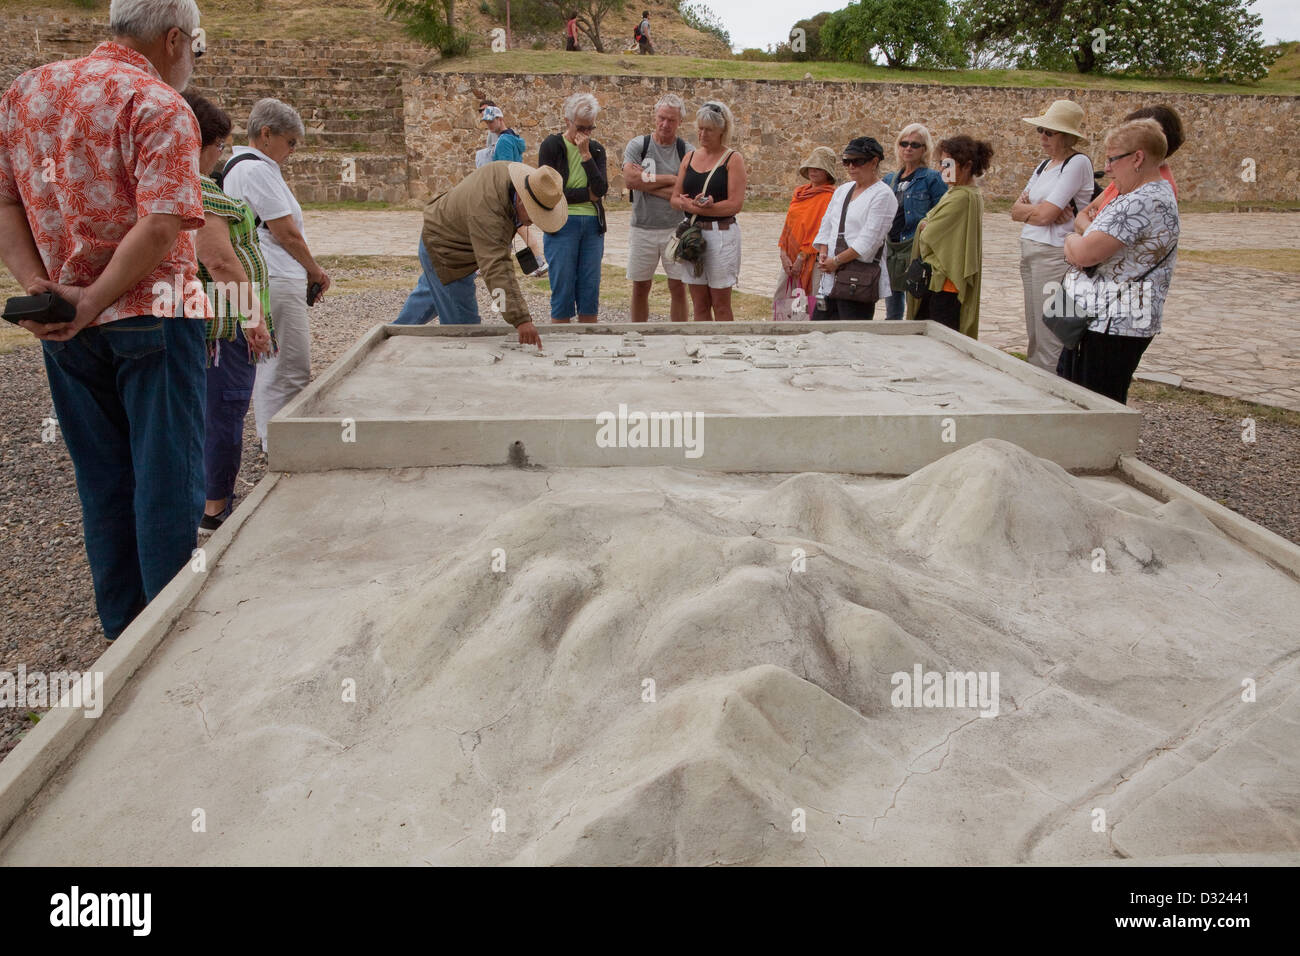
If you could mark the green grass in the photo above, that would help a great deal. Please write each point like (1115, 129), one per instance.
(1283, 82)
(1216, 404)
(1270, 260)
(351, 205)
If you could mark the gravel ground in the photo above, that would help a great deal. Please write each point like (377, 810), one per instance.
(49, 621)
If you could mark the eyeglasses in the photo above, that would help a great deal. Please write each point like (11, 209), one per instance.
(584, 129)
(196, 37)
(904, 144)
(855, 161)
(1116, 159)
(1047, 132)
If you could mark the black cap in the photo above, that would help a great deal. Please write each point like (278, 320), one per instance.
(864, 146)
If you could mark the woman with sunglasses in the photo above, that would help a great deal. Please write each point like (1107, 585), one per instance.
(574, 253)
(1121, 267)
(1060, 186)
(918, 188)
(854, 228)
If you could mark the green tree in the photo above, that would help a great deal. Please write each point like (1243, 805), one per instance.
(1211, 39)
(431, 22)
(811, 37)
(906, 32)
(699, 16)
(591, 14)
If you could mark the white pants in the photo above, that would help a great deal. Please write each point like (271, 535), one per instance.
(281, 378)
(1040, 266)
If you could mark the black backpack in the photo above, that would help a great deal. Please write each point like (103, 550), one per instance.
(645, 148)
(1096, 186)
(219, 177)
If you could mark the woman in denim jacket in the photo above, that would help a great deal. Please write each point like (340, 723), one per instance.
(918, 188)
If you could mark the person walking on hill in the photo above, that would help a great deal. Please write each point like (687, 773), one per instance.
(851, 241)
(950, 239)
(650, 166)
(918, 188)
(571, 32)
(711, 192)
(642, 35)
(99, 200)
(470, 228)
(254, 175)
(574, 251)
(802, 221)
(1060, 186)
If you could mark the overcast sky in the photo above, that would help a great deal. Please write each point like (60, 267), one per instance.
(756, 23)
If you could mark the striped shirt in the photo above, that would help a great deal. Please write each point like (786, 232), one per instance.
(231, 305)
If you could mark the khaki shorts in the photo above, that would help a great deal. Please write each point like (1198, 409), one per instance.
(645, 250)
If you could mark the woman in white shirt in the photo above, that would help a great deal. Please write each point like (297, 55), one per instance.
(871, 207)
(253, 175)
(1060, 186)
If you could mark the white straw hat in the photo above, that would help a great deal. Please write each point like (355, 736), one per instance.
(1064, 116)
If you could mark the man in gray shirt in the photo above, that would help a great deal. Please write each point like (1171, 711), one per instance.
(650, 165)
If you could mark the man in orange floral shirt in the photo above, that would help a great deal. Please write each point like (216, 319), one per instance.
(99, 186)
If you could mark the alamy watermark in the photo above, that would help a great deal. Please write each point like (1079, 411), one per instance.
(30, 690)
(951, 689)
(636, 429)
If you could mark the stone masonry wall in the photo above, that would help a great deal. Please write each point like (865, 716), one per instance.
(779, 123)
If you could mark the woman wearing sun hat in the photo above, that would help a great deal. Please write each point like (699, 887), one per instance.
(802, 220)
(1060, 186)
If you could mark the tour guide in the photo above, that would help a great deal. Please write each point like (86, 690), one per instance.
(470, 227)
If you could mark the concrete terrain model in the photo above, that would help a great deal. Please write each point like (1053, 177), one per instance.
(989, 660)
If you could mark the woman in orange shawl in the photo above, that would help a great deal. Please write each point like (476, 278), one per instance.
(807, 207)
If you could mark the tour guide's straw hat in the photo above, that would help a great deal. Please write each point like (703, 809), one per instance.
(1063, 116)
(823, 157)
(542, 192)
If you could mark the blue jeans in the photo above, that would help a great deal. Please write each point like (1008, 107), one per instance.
(129, 396)
(453, 304)
(230, 388)
(574, 255)
(896, 306)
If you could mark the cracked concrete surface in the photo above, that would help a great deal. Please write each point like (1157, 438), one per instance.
(517, 697)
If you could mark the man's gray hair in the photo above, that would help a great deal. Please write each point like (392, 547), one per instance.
(717, 115)
(281, 117)
(147, 20)
(581, 104)
(673, 102)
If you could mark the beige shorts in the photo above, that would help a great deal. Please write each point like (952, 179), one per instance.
(721, 259)
(645, 250)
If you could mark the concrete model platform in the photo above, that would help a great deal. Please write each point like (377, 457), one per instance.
(666, 665)
(859, 398)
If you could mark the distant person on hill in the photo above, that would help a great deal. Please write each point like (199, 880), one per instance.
(1121, 268)
(802, 220)
(918, 189)
(850, 243)
(574, 252)
(254, 175)
(950, 239)
(484, 156)
(510, 148)
(642, 34)
(711, 190)
(113, 221)
(571, 32)
(1061, 185)
(1172, 126)
(650, 166)
(470, 227)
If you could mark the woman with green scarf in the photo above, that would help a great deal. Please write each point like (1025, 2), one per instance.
(950, 240)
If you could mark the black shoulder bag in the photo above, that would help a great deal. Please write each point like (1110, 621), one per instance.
(859, 280)
(1069, 328)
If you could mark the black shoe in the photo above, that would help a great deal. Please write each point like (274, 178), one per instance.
(210, 523)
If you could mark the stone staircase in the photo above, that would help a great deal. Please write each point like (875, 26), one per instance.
(349, 97)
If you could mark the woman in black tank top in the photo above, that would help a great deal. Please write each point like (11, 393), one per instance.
(715, 212)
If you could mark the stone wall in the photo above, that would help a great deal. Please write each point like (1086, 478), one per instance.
(778, 123)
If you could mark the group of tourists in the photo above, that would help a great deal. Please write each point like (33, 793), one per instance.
(114, 198)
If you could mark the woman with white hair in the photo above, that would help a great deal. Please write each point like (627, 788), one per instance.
(574, 253)
(253, 175)
(1122, 265)
(918, 189)
(711, 191)
(1060, 186)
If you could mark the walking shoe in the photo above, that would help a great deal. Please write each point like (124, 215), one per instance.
(210, 523)
(541, 270)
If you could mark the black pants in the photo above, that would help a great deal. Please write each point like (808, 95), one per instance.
(570, 43)
(840, 310)
(1103, 363)
(941, 307)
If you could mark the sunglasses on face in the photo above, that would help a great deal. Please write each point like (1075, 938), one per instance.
(1047, 132)
(909, 145)
(855, 161)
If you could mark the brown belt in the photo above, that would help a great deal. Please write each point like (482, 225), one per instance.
(716, 223)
